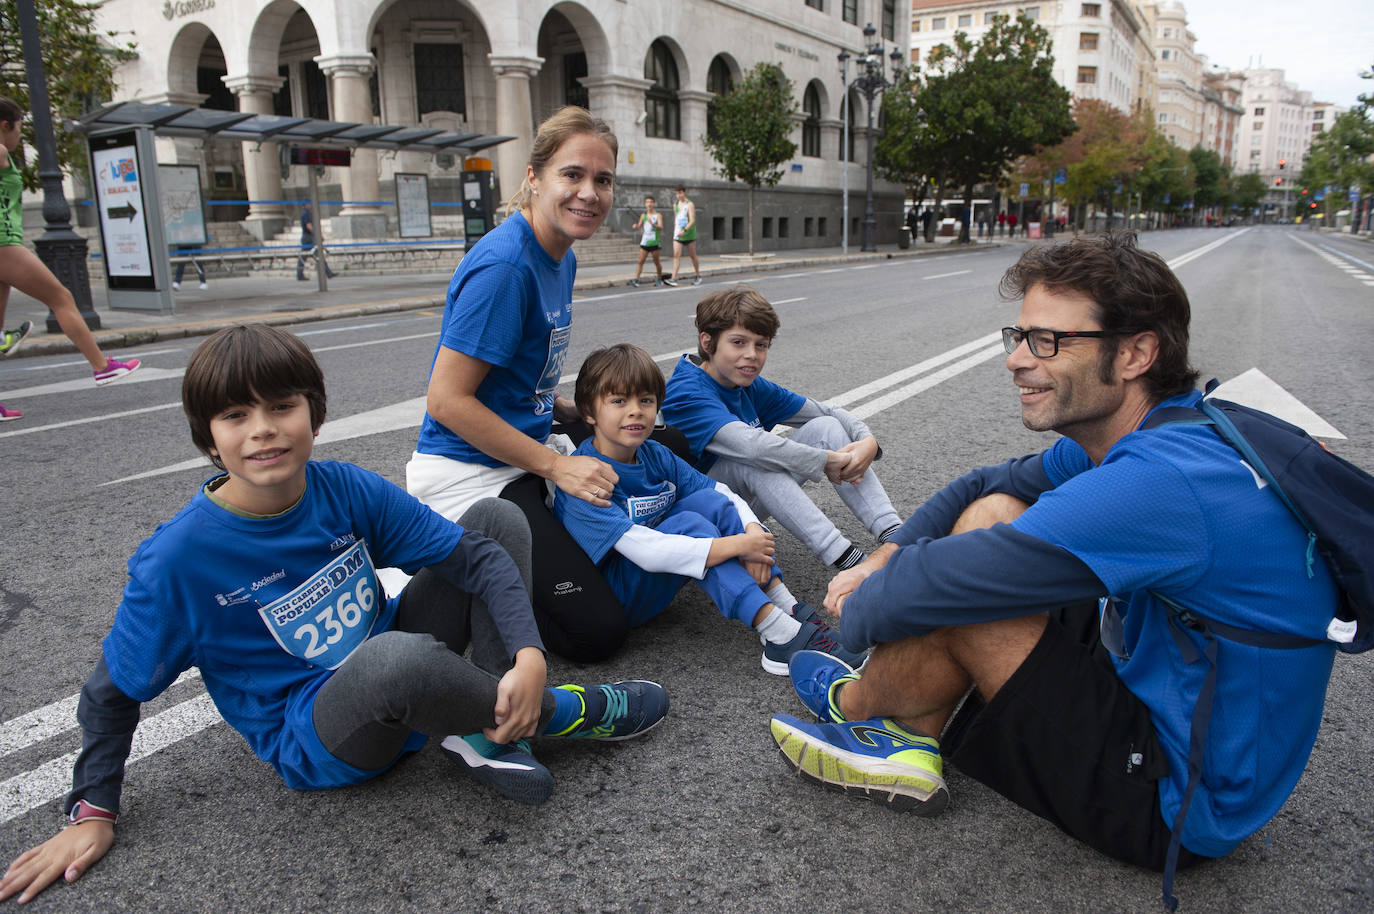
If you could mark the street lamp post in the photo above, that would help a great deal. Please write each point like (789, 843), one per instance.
(62, 250)
(871, 81)
(844, 152)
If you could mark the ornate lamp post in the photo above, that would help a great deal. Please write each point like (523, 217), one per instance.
(62, 250)
(871, 81)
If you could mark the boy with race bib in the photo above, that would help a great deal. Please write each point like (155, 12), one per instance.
(666, 522)
(266, 581)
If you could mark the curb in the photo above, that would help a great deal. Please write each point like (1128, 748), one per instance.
(57, 343)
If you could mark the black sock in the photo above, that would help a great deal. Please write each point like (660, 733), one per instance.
(887, 534)
(849, 558)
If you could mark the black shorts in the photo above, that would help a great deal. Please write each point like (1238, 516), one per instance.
(650, 247)
(1065, 739)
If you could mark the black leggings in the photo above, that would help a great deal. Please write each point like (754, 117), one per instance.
(578, 614)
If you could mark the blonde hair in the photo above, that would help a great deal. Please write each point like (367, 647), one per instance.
(562, 126)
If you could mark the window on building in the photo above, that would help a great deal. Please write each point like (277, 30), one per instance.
(850, 12)
(718, 82)
(811, 127)
(915, 56)
(890, 20)
(1164, 54)
(820, 226)
(661, 103)
(281, 99)
(1087, 41)
(937, 24)
(816, 4)
(809, 226)
(915, 25)
(768, 226)
(1259, 125)
(316, 90)
(1032, 13)
(1317, 128)
(717, 228)
(1317, 115)
(1163, 118)
(1087, 76)
(989, 18)
(574, 68)
(966, 20)
(439, 78)
(782, 227)
(736, 228)
(1091, 10)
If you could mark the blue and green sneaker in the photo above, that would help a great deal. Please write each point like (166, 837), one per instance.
(509, 768)
(816, 676)
(875, 759)
(632, 707)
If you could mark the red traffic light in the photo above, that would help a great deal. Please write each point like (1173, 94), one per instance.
(1304, 192)
(1278, 181)
(1312, 205)
(1283, 163)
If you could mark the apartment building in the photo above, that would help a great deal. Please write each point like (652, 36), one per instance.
(1179, 103)
(1101, 48)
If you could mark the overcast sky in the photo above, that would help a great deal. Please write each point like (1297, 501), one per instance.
(1322, 45)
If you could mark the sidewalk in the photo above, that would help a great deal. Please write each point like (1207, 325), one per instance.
(277, 300)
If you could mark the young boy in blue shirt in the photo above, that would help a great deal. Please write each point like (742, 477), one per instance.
(266, 581)
(720, 401)
(667, 522)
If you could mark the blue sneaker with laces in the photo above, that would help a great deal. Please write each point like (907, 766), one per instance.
(510, 768)
(815, 676)
(815, 635)
(875, 759)
(632, 707)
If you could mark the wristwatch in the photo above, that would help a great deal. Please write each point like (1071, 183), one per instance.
(85, 811)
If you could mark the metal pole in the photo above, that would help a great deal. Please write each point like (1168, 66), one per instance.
(62, 250)
(844, 154)
(321, 276)
(870, 224)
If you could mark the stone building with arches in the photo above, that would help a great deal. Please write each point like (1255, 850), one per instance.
(501, 66)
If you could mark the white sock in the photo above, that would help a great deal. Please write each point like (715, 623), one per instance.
(778, 627)
(782, 597)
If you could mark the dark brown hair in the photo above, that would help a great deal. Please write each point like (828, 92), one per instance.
(743, 305)
(246, 364)
(619, 369)
(10, 110)
(1133, 291)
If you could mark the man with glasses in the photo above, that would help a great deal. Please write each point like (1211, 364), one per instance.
(1014, 618)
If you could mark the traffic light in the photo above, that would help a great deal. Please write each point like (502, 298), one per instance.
(1278, 182)
(1283, 163)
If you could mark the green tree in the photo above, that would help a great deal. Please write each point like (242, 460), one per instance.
(1340, 157)
(753, 125)
(988, 104)
(1247, 191)
(80, 60)
(903, 154)
(1209, 178)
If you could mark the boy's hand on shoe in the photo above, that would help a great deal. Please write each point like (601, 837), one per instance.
(836, 465)
(518, 697)
(862, 453)
(68, 854)
(585, 478)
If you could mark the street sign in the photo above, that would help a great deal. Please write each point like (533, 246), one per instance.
(1025, 190)
(1061, 176)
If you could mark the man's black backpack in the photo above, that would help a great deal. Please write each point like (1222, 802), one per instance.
(1333, 500)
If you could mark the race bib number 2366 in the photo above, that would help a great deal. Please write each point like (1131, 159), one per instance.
(325, 619)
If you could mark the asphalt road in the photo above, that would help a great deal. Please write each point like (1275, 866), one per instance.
(699, 815)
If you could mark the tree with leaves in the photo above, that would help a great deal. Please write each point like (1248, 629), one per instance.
(988, 104)
(903, 154)
(80, 60)
(1340, 157)
(753, 128)
(1247, 190)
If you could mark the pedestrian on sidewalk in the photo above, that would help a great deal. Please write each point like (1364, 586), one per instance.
(308, 236)
(650, 223)
(1001, 223)
(21, 268)
(181, 267)
(684, 235)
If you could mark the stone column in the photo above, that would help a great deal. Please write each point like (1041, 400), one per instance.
(360, 217)
(261, 162)
(694, 104)
(514, 117)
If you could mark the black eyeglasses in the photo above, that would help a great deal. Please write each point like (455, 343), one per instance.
(1044, 344)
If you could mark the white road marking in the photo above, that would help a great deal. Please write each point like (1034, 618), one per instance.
(142, 376)
(788, 301)
(1255, 388)
(943, 275)
(100, 418)
(1190, 256)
